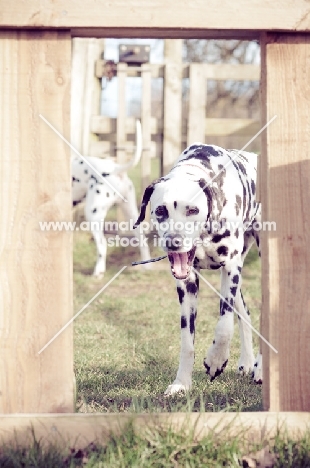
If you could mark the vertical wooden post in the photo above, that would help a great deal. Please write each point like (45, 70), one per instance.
(85, 91)
(121, 113)
(121, 121)
(285, 195)
(172, 103)
(197, 104)
(35, 265)
(146, 125)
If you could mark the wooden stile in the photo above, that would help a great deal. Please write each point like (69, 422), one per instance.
(285, 196)
(36, 266)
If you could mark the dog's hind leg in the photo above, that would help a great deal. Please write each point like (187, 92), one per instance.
(101, 244)
(246, 361)
(95, 212)
(257, 368)
(188, 294)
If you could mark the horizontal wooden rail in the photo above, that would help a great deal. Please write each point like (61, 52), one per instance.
(223, 127)
(211, 71)
(79, 430)
(227, 71)
(157, 17)
(213, 126)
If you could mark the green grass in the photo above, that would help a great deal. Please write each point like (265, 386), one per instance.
(127, 341)
(126, 353)
(159, 448)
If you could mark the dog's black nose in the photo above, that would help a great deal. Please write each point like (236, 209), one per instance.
(173, 241)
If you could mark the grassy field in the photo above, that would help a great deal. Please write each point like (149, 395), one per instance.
(127, 341)
(164, 449)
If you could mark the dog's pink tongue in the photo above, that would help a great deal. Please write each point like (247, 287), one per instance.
(180, 264)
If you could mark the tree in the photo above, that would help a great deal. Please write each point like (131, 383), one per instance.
(227, 98)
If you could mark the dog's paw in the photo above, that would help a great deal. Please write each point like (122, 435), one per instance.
(245, 365)
(216, 360)
(258, 370)
(98, 275)
(177, 387)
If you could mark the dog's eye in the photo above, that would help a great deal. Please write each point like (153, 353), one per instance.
(160, 211)
(193, 210)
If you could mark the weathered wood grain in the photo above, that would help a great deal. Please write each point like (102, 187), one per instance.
(35, 266)
(170, 17)
(285, 196)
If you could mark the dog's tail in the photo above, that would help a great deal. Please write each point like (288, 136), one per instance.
(138, 153)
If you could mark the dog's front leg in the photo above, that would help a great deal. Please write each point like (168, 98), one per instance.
(188, 294)
(217, 355)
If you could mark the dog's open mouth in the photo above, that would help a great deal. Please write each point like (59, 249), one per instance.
(181, 262)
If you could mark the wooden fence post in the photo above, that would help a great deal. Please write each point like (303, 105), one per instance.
(35, 265)
(285, 196)
(85, 91)
(146, 125)
(172, 103)
(121, 136)
(197, 104)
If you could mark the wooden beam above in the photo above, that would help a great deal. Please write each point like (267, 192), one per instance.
(163, 19)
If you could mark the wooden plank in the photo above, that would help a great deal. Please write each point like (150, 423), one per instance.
(102, 149)
(146, 126)
(120, 124)
(79, 430)
(35, 266)
(106, 125)
(165, 33)
(226, 71)
(85, 91)
(197, 104)
(121, 112)
(157, 70)
(212, 126)
(285, 195)
(222, 127)
(198, 14)
(172, 104)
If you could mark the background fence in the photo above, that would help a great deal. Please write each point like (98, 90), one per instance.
(181, 120)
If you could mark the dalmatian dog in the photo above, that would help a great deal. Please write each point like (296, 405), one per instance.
(101, 183)
(205, 213)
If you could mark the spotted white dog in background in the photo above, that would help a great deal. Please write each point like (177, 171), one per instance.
(202, 208)
(101, 183)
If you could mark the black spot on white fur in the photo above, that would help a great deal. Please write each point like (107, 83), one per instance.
(222, 250)
(181, 294)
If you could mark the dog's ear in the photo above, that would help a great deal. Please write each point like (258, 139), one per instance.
(146, 198)
(207, 190)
